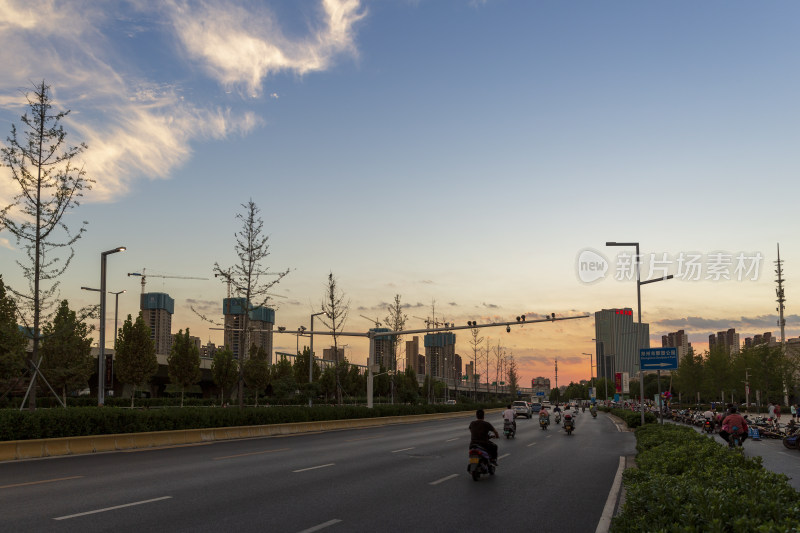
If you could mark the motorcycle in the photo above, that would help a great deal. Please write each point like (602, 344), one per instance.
(569, 424)
(594, 412)
(558, 418)
(544, 421)
(734, 439)
(480, 463)
(508, 429)
(708, 427)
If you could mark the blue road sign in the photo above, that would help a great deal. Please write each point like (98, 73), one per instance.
(658, 358)
(539, 394)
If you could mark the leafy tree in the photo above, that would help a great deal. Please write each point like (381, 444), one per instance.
(283, 382)
(49, 184)
(67, 361)
(300, 369)
(408, 386)
(475, 342)
(136, 360)
(383, 383)
(256, 369)
(689, 375)
(395, 321)
(513, 378)
(327, 382)
(247, 276)
(183, 363)
(335, 308)
(12, 341)
(224, 371)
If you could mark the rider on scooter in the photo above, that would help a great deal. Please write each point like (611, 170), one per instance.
(510, 416)
(733, 419)
(479, 430)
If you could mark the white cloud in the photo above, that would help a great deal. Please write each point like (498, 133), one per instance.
(137, 127)
(242, 46)
(5, 243)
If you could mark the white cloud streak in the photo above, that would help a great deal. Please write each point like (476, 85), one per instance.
(138, 127)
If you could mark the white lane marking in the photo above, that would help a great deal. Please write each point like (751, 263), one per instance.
(321, 526)
(451, 476)
(403, 450)
(786, 454)
(313, 468)
(531, 444)
(112, 508)
(451, 440)
(611, 501)
(503, 456)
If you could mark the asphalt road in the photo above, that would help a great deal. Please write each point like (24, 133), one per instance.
(398, 478)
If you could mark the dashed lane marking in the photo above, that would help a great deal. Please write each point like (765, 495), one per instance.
(451, 476)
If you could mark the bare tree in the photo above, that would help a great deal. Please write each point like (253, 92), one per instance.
(247, 277)
(335, 308)
(49, 185)
(513, 376)
(475, 342)
(499, 353)
(395, 321)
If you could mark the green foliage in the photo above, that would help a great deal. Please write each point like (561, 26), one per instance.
(408, 386)
(77, 421)
(136, 361)
(688, 482)
(12, 341)
(224, 371)
(256, 370)
(67, 352)
(183, 364)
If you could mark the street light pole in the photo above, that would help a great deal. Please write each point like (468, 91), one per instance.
(639, 284)
(591, 374)
(101, 377)
(311, 356)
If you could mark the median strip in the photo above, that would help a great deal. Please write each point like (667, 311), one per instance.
(251, 453)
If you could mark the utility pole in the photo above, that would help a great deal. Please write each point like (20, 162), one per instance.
(558, 396)
(781, 321)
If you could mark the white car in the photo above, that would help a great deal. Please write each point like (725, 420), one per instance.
(521, 408)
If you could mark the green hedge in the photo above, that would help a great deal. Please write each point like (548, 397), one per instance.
(687, 482)
(79, 421)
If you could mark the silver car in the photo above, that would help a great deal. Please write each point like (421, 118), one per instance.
(521, 408)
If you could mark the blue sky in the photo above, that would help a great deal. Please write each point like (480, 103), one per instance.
(457, 152)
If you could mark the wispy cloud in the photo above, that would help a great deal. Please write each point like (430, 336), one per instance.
(5, 243)
(136, 126)
(241, 46)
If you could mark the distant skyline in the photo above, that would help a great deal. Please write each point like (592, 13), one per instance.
(462, 152)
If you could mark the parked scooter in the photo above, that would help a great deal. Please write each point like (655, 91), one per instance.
(569, 424)
(480, 463)
(509, 431)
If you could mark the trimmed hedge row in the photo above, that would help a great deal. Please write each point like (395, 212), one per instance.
(687, 482)
(81, 421)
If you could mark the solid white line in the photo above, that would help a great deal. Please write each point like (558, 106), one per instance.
(503, 456)
(451, 476)
(611, 501)
(112, 508)
(313, 468)
(403, 450)
(321, 526)
(531, 444)
(451, 440)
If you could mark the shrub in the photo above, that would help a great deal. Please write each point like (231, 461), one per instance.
(688, 482)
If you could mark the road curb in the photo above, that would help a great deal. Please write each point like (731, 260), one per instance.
(38, 448)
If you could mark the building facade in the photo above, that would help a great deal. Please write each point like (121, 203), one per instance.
(618, 341)
(260, 323)
(679, 340)
(440, 351)
(726, 339)
(157, 310)
(413, 357)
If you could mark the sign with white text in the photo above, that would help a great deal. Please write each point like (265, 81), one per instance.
(658, 358)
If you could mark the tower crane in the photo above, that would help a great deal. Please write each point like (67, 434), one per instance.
(375, 321)
(144, 277)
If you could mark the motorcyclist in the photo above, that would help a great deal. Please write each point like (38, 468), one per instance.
(544, 414)
(733, 419)
(568, 413)
(480, 432)
(510, 416)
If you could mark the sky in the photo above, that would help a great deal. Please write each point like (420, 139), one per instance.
(467, 155)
